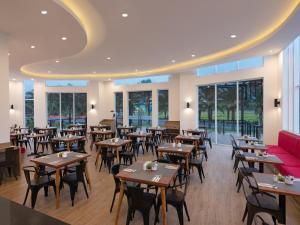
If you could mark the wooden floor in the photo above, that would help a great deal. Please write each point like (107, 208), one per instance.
(211, 203)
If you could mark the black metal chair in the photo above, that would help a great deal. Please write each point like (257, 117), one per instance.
(176, 198)
(127, 154)
(141, 201)
(107, 158)
(198, 164)
(258, 202)
(73, 179)
(34, 185)
(10, 163)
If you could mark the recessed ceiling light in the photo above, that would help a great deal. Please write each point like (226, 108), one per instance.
(32, 46)
(94, 72)
(124, 15)
(49, 71)
(31, 79)
(14, 79)
(173, 61)
(44, 12)
(136, 70)
(64, 38)
(271, 51)
(8, 54)
(233, 36)
(108, 58)
(57, 61)
(193, 55)
(109, 79)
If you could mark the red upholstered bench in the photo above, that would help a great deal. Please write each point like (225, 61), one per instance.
(288, 150)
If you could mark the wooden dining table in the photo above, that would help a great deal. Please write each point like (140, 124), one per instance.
(184, 150)
(279, 188)
(261, 160)
(35, 138)
(103, 133)
(114, 144)
(58, 163)
(167, 174)
(100, 126)
(246, 147)
(192, 138)
(68, 140)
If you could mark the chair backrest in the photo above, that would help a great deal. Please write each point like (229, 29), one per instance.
(11, 155)
(136, 195)
(80, 169)
(27, 170)
(252, 186)
(183, 182)
(115, 170)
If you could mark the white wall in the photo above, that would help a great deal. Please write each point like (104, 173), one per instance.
(270, 74)
(4, 87)
(16, 98)
(40, 109)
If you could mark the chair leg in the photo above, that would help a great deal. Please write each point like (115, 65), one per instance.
(27, 191)
(113, 202)
(157, 212)
(101, 165)
(146, 218)
(34, 194)
(250, 217)
(245, 213)
(180, 214)
(186, 210)
(72, 193)
(232, 154)
(85, 189)
(199, 172)
(46, 191)
(129, 212)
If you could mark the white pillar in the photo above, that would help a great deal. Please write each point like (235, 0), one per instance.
(93, 93)
(40, 104)
(154, 107)
(16, 98)
(4, 97)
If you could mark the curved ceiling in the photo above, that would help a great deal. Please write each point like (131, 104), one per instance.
(144, 43)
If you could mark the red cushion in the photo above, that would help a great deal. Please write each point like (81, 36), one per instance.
(290, 142)
(276, 150)
(289, 170)
(289, 160)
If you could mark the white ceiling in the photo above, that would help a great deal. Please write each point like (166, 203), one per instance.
(154, 33)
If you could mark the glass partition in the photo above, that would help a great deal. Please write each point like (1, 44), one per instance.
(251, 108)
(226, 112)
(140, 109)
(80, 108)
(163, 106)
(29, 103)
(53, 108)
(119, 108)
(206, 100)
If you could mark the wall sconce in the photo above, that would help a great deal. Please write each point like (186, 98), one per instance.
(92, 106)
(188, 105)
(276, 102)
(12, 107)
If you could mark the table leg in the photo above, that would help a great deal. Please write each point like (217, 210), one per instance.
(163, 204)
(57, 183)
(187, 164)
(93, 141)
(87, 174)
(261, 167)
(121, 195)
(282, 206)
(118, 157)
(68, 146)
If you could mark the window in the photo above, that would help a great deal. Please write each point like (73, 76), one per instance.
(66, 108)
(251, 108)
(29, 103)
(249, 63)
(66, 83)
(290, 103)
(143, 80)
(163, 107)
(234, 108)
(206, 100)
(140, 109)
(119, 108)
